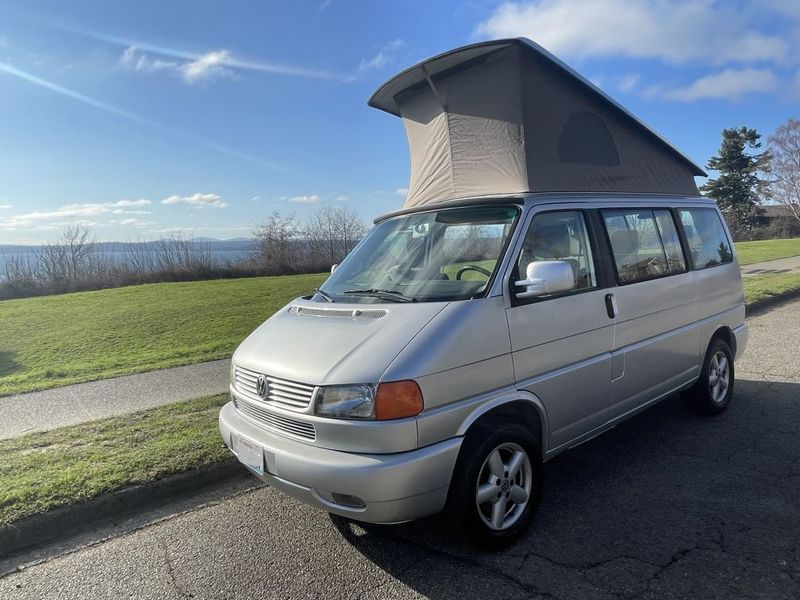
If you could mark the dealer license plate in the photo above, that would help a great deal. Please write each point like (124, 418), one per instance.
(249, 453)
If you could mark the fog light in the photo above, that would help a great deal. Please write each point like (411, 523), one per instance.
(348, 500)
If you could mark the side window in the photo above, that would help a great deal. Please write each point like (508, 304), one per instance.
(560, 236)
(707, 240)
(645, 244)
(676, 262)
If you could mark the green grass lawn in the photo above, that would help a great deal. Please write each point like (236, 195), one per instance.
(42, 471)
(761, 287)
(70, 338)
(753, 252)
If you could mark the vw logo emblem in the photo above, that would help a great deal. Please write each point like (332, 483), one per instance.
(261, 386)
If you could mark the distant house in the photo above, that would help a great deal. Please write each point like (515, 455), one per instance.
(773, 214)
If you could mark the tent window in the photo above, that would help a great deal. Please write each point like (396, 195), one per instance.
(585, 139)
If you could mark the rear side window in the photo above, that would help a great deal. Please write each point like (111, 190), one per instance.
(676, 262)
(645, 244)
(707, 240)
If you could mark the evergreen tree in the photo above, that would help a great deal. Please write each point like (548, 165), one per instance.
(739, 188)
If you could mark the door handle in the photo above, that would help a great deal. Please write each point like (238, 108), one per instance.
(611, 306)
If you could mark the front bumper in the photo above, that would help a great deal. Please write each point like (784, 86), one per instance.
(741, 335)
(394, 487)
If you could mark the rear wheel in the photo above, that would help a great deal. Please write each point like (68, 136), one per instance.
(496, 485)
(713, 391)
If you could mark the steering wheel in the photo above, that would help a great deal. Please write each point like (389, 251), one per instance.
(466, 268)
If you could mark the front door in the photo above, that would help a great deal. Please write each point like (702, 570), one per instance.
(562, 343)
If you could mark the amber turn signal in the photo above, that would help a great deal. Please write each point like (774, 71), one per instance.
(398, 399)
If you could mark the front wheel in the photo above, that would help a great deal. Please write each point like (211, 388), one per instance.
(496, 485)
(713, 391)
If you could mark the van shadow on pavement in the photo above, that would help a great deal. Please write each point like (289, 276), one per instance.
(668, 504)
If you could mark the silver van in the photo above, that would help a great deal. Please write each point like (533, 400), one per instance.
(467, 340)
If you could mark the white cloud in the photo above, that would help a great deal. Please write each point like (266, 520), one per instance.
(207, 67)
(308, 199)
(382, 58)
(730, 84)
(401, 191)
(127, 203)
(676, 31)
(133, 222)
(204, 67)
(198, 199)
(342, 198)
(628, 82)
(73, 213)
(4, 206)
(133, 59)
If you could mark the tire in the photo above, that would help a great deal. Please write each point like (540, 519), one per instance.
(516, 477)
(713, 391)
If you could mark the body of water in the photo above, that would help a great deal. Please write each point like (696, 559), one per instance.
(222, 252)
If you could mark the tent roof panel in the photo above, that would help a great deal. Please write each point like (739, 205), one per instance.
(384, 96)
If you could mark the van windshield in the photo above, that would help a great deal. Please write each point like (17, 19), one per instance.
(450, 254)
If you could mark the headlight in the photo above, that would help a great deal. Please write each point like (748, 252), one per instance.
(392, 400)
(346, 402)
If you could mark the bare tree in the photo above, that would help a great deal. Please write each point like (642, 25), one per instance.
(784, 147)
(78, 249)
(332, 232)
(277, 240)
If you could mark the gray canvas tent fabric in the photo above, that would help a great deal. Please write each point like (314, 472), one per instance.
(507, 117)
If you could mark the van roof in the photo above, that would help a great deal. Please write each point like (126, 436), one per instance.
(506, 116)
(620, 199)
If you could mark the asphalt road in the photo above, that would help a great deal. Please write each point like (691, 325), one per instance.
(667, 505)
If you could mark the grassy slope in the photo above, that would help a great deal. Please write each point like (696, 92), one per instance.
(753, 252)
(761, 287)
(57, 340)
(42, 471)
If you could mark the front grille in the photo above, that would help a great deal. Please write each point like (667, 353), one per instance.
(275, 422)
(288, 394)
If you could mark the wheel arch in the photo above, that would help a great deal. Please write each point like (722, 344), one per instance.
(726, 334)
(522, 407)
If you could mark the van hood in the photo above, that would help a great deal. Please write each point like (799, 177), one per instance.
(333, 343)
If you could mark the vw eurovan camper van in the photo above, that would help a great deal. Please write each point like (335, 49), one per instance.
(553, 272)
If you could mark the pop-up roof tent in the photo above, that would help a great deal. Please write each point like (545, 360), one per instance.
(506, 117)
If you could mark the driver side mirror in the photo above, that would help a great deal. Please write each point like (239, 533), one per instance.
(546, 277)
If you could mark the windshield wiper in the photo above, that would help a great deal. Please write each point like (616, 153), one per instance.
(393, 295)
(324, 295)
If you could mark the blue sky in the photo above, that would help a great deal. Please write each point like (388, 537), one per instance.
(145, 118)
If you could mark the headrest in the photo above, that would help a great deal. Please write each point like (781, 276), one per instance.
(625, 241)
(551, 241)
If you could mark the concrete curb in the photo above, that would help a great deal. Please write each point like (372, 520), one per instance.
(112, 507)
